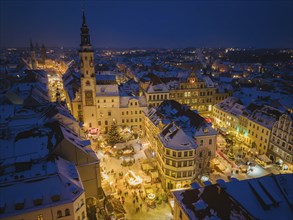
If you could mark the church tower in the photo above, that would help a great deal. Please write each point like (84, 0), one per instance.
(87, 78)
(33, 56)
(43, 54)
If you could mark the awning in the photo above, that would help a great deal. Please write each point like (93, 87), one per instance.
(264, 158)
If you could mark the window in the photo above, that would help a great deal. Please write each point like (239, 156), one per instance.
(184, 173)
(200, 154)
(82, 215)
(201, 142)
(99, 123)
(209, 153)
(40, 217)
(174, 154)
(79, 107)
(104, 100)
(112, 100)
(190, 153)
(109, 113)
(67, 212)
(59, 214)
(179, 154)
(173, 163)
(210, 141)
(185, 153)
(122, 120)
(106, 122)
(168, 152)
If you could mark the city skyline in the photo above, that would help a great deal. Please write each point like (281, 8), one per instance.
(149, 24)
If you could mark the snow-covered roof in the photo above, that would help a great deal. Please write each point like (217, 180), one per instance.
(126, 100)
(175, 138)
(266, 197)
(231, 105)
(107, 90)
(265, 116)
(182, 124)
(158, 88)
(41, 186)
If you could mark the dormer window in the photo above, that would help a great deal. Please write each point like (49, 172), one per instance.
(205, 130)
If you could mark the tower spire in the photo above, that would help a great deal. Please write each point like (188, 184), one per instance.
(84, 35)
(83, 18)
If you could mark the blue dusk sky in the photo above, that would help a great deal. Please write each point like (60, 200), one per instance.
(145, 24)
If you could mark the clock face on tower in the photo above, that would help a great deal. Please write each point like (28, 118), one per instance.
(89, 98)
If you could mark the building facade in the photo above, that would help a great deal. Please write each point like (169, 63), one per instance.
(198, 92)
(281, 142)
(181, 141)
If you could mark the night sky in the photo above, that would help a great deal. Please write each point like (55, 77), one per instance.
(142, 24)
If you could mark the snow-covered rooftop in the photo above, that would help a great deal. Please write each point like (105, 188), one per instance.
(182, 125)
(42, 186)
(268, 197)
(107, 90)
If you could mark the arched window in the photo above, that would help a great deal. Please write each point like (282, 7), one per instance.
(67, 212)
(88, 83)
(59, 214)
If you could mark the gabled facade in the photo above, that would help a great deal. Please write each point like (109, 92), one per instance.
(281, 142)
